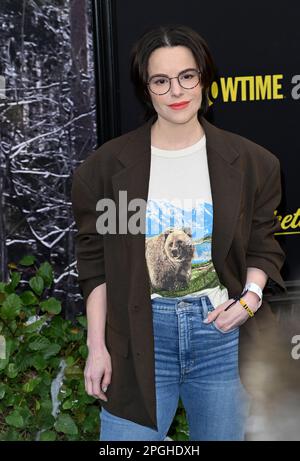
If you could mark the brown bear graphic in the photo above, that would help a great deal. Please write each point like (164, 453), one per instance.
(169, 259)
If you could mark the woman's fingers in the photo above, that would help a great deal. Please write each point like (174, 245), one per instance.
(216, 312)
(106, 379)
(92, 387)
(97, 377)
(89, 386)
(97, 392)
(230, 318)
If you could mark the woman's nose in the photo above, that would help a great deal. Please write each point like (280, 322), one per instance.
(176, 89)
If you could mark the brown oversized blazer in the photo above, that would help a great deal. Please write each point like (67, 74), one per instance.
(246, 189)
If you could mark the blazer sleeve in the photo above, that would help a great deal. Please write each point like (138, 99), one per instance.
(89, 248)
(263, 249)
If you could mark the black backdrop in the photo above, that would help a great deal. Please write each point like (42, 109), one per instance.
(253, 40)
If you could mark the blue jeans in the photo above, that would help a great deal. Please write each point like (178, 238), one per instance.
(197, 362)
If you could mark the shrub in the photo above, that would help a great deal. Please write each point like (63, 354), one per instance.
(42, 356)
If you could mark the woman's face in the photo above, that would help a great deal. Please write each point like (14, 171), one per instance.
(170, 61)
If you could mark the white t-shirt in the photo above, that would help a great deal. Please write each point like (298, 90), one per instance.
(179, 223)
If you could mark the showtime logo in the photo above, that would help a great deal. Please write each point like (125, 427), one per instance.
(253, 88)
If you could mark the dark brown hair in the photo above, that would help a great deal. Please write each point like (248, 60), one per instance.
(163, 36)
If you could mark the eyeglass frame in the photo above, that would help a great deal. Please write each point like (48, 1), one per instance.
(171, 78)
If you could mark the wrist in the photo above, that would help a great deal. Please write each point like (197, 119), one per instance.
(95, 345)
(252, 299)
(253, 287)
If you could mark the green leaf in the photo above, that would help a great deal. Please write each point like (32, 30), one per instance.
(37, 284)
(51, 305)
(28, 298)
(15, 279)
(24, 411)
(14, 325)
(44, 419)
(46, 405)
(53, 349)
(11, 400)
(34, 326)
(83, 351)
(47, 436)
(55, 329)
(66, 424)
(12, 370)
(11, 307)
(39, 344)
(75, 335)
(91, 420)
(15, 419)
(82, 320)
(2, 287)
(11, 435)
(70, 360)
(68, 404)
(39, 363)
(27, 260)
(46, 272)
(47, 379)
(23, 359)
(31, 384)
(54, 362)
(73, 372)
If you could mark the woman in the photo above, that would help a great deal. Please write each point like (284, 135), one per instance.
(188, 251)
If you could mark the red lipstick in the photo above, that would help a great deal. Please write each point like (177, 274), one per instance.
(179, 105)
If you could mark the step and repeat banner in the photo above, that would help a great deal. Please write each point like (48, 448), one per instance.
(256, 94)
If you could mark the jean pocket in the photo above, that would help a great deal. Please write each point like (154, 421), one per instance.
(222, 331)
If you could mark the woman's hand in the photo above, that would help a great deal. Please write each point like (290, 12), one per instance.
(97, 372)
(236, 315)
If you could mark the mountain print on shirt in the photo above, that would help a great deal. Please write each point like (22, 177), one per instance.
(178, 248)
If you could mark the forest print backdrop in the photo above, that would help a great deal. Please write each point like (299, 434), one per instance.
(48, 127)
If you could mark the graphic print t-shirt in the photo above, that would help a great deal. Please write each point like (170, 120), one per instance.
(179, 222)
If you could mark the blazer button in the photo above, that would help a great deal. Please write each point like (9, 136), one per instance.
(136, 308)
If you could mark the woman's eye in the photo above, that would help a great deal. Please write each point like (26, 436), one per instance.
(160, 81)
(187, 76)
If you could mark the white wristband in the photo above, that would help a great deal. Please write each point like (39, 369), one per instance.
(256, 289)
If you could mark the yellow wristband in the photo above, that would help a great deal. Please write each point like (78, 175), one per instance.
(245, 306)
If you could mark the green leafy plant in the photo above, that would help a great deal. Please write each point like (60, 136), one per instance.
(42, 356)
(179, 429)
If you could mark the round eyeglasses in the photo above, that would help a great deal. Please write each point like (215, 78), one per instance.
(161, 84)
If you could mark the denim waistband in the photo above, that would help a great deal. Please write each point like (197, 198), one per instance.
(179, 305)
(187, 301)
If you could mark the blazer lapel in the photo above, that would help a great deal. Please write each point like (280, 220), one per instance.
(136, 158)
(226, 184)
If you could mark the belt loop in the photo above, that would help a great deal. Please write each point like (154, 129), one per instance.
(204, 307)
